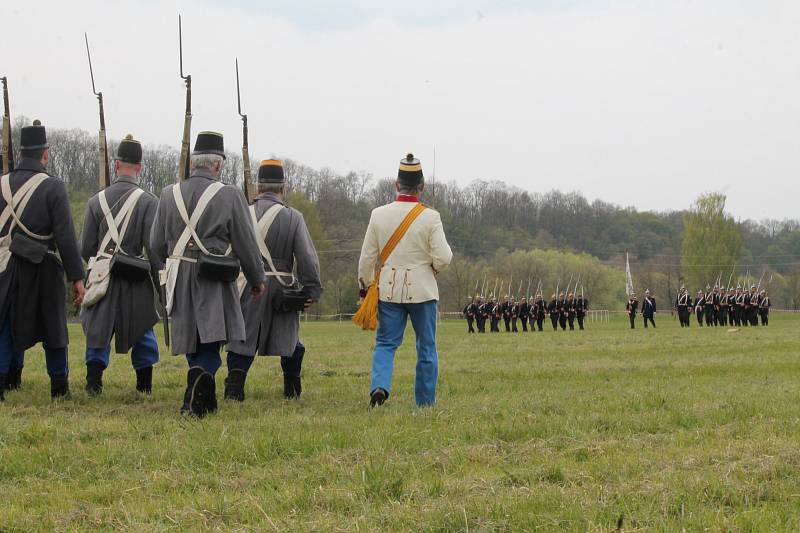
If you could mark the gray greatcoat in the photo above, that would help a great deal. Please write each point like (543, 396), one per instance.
(204, 310)
(268, 331)
(32, 296)
(128, 309)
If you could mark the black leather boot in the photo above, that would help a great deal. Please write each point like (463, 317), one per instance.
(94, 378)
(193, 403)
(14, 378)
(144, 380)
(59, 387)
(234, 385)
(288, 387)
(209, 385)
(298, 387)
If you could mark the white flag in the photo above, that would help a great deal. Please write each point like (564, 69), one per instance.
(628, 277)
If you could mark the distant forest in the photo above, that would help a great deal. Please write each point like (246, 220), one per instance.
(557, 235)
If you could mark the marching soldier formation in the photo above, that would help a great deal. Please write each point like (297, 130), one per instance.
(565, 311)
(739, 307)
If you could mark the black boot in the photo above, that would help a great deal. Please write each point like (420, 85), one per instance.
(234, 385)
(144, 380)
(2, 387)
(377, 397)
(209, 393)
(192, 398)
(94, 378)
(298, 388)
(14, 378)
(288, 387)
(59, 387)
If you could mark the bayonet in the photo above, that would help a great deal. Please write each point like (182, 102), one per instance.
(183, 169)
(247, 185)
(104, 176)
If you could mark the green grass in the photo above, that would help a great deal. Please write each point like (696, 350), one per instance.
(670, 429)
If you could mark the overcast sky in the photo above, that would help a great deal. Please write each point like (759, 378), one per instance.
(642, 103)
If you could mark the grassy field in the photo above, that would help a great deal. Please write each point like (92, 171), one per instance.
(669, 429)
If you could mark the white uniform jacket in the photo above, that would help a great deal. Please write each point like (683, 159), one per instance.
(409, 275)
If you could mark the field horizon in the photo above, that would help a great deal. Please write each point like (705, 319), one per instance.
(668, 429)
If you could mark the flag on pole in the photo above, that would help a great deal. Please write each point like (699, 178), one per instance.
(628, 277)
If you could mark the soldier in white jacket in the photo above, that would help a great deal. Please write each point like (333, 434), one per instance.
(407, 284)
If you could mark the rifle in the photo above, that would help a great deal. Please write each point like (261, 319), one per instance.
(104, 177)
(477, 281)
(483, 287)
(568, 284)
(528, 290)
(183, 169)
(761, 280)
(494, 291)
(247, 185)
(8, 147)
(519, 289)
(731, 276)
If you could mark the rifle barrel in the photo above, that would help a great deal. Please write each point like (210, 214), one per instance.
(8, 146)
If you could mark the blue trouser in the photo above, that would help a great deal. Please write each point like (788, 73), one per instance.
(206, 357)
(143, 354)
(392, 318)
(57, 364)
(291, 366)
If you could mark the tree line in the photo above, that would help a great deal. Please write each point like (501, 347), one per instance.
(496, 230)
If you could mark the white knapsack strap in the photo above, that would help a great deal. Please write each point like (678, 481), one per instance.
(123, 217)
(262, 228)
(5, 185)
(191, 222)
(23, 192)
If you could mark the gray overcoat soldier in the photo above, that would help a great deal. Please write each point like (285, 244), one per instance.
(203, 233)
(37, 249)
(120, 291)
(293, 284)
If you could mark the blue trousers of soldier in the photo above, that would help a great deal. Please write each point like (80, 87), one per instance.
(291, 366)
(143, 354)
(206, 356)
(392, 319)
(57, 364)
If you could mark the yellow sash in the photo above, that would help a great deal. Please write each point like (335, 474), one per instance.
(367, 315)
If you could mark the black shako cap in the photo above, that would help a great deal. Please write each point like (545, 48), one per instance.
(33, 137)
(209, 142)
(271, 171)
(129, 150)
(410, 172)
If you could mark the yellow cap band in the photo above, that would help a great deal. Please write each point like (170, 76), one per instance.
(272, 163)
(411, 168)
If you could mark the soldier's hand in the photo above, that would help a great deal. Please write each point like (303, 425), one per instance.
(78, 292)
(258, 290)
(308, 304)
